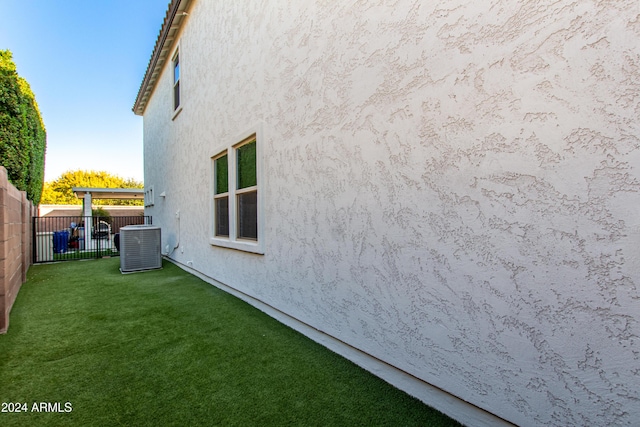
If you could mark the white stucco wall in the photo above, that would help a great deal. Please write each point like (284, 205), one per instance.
(452, 187)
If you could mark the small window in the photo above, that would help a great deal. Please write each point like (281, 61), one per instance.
(176, 81)
(148, 197)
(236, 203)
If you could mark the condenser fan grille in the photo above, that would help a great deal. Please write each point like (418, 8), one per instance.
(140, 248)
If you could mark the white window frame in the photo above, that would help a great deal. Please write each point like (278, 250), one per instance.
(176, 56)
(233, 242)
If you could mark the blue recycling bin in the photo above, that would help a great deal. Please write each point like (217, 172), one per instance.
(60, 241)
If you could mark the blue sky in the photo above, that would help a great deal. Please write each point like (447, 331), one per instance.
(85, 60)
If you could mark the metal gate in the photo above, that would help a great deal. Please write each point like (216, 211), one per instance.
(68, 238)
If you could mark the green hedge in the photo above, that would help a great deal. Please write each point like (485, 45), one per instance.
(22, 133)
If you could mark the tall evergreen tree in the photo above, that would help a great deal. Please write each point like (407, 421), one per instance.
(22, 132)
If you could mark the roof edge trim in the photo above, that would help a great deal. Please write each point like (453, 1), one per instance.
(148, 82)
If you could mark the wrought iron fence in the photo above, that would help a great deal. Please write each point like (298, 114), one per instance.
(68, 238)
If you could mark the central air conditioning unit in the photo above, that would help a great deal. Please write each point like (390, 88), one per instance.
(140, 248)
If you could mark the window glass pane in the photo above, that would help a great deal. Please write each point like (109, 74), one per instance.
(247, 165)
(176, 82)
(248, 215)
(176, 96)
(222, 216)
(176, 69)
(222, 174)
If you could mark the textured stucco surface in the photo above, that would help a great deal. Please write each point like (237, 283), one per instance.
(452, 187)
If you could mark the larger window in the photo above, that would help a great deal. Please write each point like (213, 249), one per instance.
(247, 192)
(221, 196)
(236, 201)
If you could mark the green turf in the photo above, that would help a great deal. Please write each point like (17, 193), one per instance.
(163, 348)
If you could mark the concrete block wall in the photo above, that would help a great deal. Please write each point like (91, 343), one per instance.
(15, 244)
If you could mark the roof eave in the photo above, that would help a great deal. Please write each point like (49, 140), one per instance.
(171, 26)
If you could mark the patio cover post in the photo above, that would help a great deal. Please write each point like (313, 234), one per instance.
(86, 212)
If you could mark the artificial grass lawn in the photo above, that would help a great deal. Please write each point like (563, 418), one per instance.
(164, 348)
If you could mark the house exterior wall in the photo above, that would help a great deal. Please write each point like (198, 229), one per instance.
(450, 187)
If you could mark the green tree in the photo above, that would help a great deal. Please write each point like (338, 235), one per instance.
(59, 191)
(22, 132)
